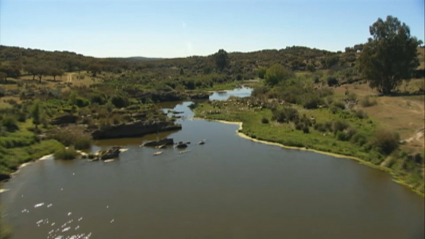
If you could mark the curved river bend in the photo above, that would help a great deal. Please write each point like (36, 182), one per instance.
(228, 188)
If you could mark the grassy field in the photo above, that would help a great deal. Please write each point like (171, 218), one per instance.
(403, 114)
(22, 146)
(384, 115)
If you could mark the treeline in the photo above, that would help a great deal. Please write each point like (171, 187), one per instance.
(16, 61)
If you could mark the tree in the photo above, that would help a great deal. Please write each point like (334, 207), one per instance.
(55, 72)
(94, 69)
(221, 59)
(36, 113)
(277, 74)
(41, 70)
(262, 72)
(389, 56)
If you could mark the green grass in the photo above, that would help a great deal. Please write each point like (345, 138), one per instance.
(287, 135)
(22, 146)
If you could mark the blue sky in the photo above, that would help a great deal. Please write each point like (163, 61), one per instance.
(176, 28)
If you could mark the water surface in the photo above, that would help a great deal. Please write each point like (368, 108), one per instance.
(228, 188)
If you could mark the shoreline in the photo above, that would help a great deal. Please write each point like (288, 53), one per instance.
(361, 161)
(45, 157)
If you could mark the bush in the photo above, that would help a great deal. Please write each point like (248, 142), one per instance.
(9, 122)
(98, 99)
(119, 101)
(66, 154)
(261, 72)
(312, 102)
(386, 141)
(360, 114)
(285, 115)
(339, 104)
(82, 143)
(259, 90)
(358, 139)
(306, 129)
(320, 127)
(81, 102)
(332, 81)
(71, 136)
(299, 126)
(339, 126)
(264, 120)
(341, 135)
(367, 102)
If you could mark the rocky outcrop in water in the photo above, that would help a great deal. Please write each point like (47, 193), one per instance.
(134, 129)
(111, 153)
(159, 142)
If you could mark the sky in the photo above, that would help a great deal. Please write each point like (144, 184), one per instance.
(180, 28)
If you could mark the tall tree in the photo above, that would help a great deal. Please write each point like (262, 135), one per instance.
(389, 56)
(221, 59)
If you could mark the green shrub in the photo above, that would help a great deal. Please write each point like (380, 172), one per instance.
(81, 102)
(360, 114)
(386, 141)
(66, 154)
(332, 81)
(312, 102)
(119, 101)
(339, 126)
(9, 122)
(320, 127)
(306, 129)
(259, 90)
(82, 143)
(341, 135)
(285, 114)
(367, 102)
(261, 72)
(98, 99)
(339, 104)
(264, 120)
(299, 126)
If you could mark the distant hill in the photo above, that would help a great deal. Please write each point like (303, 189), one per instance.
(138, 58)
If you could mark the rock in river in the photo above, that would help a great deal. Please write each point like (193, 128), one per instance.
(160, 142)
(134, 129)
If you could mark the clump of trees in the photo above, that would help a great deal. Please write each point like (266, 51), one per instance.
(277, 74)
(390, 55)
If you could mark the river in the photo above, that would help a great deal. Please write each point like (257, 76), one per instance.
(228, 188)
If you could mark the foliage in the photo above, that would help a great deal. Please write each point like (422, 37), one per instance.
(66, 154)
(261, 72)
(386, 141)
(264, 120)
(9, 122)
(221, 59)
(277, 74)
(71, 136)
(119, 101)
(367, 102)
(390, 55)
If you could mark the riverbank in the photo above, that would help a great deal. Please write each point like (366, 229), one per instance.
(250, 127)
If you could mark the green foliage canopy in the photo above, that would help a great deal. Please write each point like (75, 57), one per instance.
(390, 55)
(277, 74)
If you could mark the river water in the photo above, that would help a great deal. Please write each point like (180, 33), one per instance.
(228, 188)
